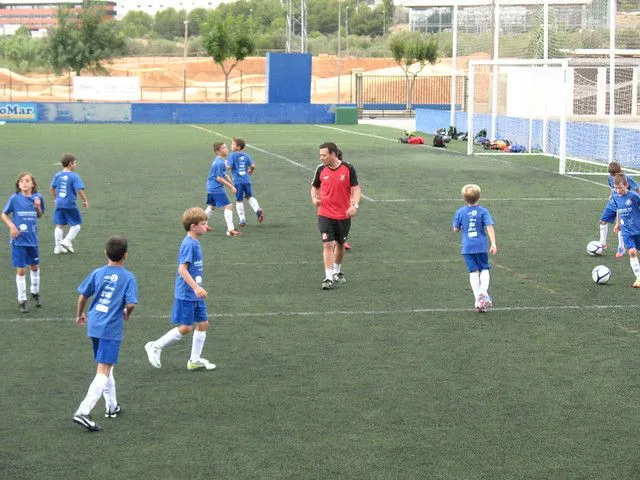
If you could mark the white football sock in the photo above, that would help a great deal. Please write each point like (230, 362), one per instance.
(337, 267)
(240, 210)
(228, 217)
(93, 394)
(208, 211)
(474, 280)
(604, 231)
(484, 282)
(73, 233)
(197, 344)
(34, 281)
(328, 273)
(620, 240)
(21, 283)
(109, 393)
(169, 338)
(254, 204)
(635, 266)
(58, 233)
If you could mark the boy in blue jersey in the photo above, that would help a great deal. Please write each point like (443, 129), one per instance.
(627, 205)
(216, 180)
(189, 309)
(25, 206)
(476, 224)
(242, 167)
(608, 215)
(115, 295)
(66, 186)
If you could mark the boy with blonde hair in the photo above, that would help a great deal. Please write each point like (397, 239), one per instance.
(476, 225)
(626, 204)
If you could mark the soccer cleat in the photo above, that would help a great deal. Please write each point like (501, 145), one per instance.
(153, 354)
(260, 215)
(327, 284)
(347, 246)
(67, 246)
(113, 413)
(603, 245)
(483, 303)
(86, 421)
(233, 233)
(620, 252)
(23, 307)
(243, 223)
(36, 298)
(636, 284)
(339, 278)
(57, 250)
(200, 364)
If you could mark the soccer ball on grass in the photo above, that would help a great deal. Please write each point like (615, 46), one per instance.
(594, 248)
(601, 274)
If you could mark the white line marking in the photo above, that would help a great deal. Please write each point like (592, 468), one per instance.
(328, 314)
(530, 199)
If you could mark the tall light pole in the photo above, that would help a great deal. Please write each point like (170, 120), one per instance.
(346, 28)
(184, 62)
(339, 45)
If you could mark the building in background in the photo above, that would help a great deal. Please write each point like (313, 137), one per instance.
(39, 15)
(153, 6)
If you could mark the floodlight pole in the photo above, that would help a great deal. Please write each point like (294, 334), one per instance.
(612, 77)
(454, 59)
(184, 62)
(339, 46)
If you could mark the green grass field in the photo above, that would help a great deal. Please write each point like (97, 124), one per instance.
(391, 376)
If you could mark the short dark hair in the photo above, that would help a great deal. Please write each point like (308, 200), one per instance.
(116, 247)
(332, 147)
(217, 145)
(239, 141)
(67, 159)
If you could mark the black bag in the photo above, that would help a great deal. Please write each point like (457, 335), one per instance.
(438, 141)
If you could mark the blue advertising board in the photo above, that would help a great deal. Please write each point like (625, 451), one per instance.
(18, 112)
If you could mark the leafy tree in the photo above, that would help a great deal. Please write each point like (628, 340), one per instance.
(83, 40)
(169, 23)
(24, 52)
(196, 17)
(410, 48)
(228, 41)
(136, 24)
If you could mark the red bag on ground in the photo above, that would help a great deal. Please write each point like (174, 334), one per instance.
(415, 140)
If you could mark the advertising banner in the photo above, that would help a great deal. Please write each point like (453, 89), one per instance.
(18, 112)
(106, 88)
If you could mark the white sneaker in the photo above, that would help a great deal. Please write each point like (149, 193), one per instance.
(66, 244)
(200, 364)
(57, 250)
(153, 353)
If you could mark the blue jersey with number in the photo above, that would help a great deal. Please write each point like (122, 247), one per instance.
(67, 185)
(25, 218)
(218, 169)
(240, 162)
(472, 220)
(190, 253)
(112, 287)
(628, 208)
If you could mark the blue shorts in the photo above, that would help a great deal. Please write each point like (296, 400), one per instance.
(476, 262)
(105, 351)
(22, 257)
(218, 199)
(608, 215)
(244, 190)
(631, 241)
(188, 312)
(67, 216)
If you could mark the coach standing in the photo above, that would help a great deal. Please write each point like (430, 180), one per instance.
(336, 194)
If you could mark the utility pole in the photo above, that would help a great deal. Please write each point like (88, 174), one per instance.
(184, 62)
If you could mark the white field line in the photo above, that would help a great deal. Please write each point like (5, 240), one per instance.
(526, 199)
(350, 313)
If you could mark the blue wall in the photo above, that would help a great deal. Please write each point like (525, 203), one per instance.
(288, 78)
(584, 140)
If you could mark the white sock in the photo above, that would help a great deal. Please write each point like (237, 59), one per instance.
(208, 211)
(197, 344)
(73, 233)
(109, 394)
(228, 217)
(635, 266)
(604, 231)
(58, 233)
(484, 282)
(21, 283)
(93, 394)
(169, 338)
(240, 210)
(620, 240)
(328, 273)
(337, 267)
(35, 280)
(474, 280)
(254, 204)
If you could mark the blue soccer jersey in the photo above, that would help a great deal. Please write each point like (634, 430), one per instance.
(628, 208)
(25, 218)
(190, 253)
(472, 220)
(240, 163)
(218, 169)
(67, 185)
(112, 287)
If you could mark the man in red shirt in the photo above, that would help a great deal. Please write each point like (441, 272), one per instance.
(336, 193)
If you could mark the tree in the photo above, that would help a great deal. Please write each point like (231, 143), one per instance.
(136, 24)
(409, 49)
(169, 23)
(83, 40)
(24, 52)
(228, 41)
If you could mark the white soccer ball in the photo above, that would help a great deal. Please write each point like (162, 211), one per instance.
(594, 248)
(601, 274)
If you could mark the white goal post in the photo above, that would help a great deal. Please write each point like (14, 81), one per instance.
(523, 101)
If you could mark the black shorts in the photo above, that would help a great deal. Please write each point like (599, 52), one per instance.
(331, 229)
